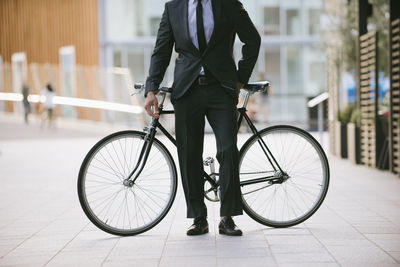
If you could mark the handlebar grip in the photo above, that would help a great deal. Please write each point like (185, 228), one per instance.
(138, 86)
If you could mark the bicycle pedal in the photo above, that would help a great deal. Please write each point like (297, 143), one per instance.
(208, 161)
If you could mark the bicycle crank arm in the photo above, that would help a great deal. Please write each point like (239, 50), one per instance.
(210, 180)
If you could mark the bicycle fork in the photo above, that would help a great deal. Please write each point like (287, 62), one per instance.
(144, 153)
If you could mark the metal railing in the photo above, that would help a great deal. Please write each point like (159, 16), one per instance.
(75, 102)
(85, 92)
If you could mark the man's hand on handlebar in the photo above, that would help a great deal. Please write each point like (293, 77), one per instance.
(151, 101)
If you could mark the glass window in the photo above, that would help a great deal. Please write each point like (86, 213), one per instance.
(154, 25)
(273, 67)
(120, 21)
(277, 108)
(314, 21)
(68, 78)
(271, 21)
(314, 58)
(294, 70)
(293, 25)
(139, 17)
(136, 64)
(296, 108)
(317, 76)
(284, 109)
(117, 59)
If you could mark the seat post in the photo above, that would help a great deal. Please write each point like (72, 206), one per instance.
(163, 96)
(246, 99)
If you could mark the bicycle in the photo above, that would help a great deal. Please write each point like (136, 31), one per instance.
(128, 181)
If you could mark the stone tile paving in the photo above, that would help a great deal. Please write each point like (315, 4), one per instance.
(42, 224)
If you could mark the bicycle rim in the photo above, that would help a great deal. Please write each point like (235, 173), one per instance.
(296, 199)
(119, 209)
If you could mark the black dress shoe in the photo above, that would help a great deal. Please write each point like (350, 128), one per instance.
(228, 227)
(199, 227)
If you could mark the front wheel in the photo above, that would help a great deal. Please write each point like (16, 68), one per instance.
(286, 197)
(114, 205)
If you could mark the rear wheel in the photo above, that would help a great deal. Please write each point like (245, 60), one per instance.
(293, 198)
(113, 205)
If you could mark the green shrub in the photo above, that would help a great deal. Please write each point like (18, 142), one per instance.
(346, 113)
(355, 116)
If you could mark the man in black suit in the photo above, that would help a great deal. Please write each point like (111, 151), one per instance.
(206, 84)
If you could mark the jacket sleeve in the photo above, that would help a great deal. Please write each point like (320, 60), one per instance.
(248, 35)
(161, 55)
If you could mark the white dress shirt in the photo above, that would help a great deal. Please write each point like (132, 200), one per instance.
(208, 20)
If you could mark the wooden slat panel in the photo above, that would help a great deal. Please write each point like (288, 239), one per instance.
(394, 145)
(41, 27)
(367, 98)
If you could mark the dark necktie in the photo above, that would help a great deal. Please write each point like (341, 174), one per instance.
(200, 27)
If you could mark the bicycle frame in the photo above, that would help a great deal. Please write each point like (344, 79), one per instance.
(152, 130)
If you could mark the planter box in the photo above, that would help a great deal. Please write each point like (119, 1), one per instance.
(341, 141)
(353, 143)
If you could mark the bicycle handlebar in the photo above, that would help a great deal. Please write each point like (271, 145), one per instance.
(251, 88)
(138, 86)
(261, 86)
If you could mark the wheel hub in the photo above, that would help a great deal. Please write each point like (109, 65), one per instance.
(128, 183)
(281, 177)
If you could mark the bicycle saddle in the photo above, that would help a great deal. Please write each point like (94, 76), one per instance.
(262, 86)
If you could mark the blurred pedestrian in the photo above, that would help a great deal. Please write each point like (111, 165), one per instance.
(47, 99)
(25, 101)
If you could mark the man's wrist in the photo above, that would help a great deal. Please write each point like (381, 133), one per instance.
(151, 93)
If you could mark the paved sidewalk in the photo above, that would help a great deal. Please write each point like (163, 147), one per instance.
(41, 222)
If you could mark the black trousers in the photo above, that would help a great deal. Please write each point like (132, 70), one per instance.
(215, 103)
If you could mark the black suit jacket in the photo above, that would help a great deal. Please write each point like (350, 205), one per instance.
(230, 18)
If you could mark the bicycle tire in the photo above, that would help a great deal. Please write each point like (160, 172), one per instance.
(256, 213)
(83, 180)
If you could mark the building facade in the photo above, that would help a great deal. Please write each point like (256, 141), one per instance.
(122, 33)
(49, 41)
(292, 56)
